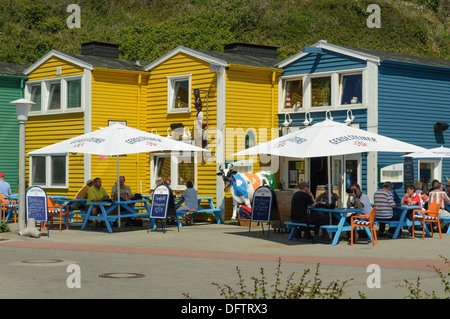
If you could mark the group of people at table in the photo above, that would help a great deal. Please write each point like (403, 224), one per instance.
(93, 191)
(303, 200)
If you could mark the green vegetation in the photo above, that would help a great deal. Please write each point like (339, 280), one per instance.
(150, 28)
(315, 288)
(4, 228)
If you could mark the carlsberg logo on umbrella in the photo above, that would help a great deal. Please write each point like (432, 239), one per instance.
(346, 138)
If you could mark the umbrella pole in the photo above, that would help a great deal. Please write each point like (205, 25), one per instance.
(118, 187)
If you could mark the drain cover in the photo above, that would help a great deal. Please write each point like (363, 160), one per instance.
(42, 261)
(121, 275)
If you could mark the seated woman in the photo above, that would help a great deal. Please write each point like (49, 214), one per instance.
(190, 200)
(411, 198)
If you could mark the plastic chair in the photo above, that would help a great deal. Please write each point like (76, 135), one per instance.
(55, 209)
(427, 216)
(10, 206)
(365, 221)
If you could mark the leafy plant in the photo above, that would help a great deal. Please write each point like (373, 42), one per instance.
(304, 289)
(4, 227)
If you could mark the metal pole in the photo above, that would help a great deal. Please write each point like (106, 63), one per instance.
(21, 175)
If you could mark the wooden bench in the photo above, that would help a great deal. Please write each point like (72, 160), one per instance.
(215, 211)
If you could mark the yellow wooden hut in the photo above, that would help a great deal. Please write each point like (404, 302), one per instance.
(238, 89)
(76, 94)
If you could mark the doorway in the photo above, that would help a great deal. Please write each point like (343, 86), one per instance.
(319, 173)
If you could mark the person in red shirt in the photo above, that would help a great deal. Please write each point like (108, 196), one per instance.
(411, 198)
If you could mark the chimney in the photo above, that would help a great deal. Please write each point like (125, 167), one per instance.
(105, 50)
(262, 51)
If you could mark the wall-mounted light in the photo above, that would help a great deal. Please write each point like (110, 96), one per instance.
(287, 121)
(350, 117)
(308, 119)
(168, 133)
(186, 136)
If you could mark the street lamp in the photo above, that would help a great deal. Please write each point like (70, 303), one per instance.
(22, 108)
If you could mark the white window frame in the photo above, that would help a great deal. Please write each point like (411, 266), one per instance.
(171, 81)
(45, 95)
(176, 158)
(48, 171)
(336, 90)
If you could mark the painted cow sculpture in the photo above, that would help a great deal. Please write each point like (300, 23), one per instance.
(242, 186)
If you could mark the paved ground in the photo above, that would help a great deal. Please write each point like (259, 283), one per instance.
(189, 261)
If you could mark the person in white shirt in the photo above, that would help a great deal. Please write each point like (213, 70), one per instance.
(358, 199)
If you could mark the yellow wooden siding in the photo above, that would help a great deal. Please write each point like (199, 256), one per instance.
(45, 130)
(119, 96)
(47, 70)
(201, 78)
(251, 104)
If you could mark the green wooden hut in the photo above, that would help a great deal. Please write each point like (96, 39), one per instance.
(12, 84)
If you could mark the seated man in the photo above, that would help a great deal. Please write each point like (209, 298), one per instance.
(323, 198)
(125, 190)
(96, 193)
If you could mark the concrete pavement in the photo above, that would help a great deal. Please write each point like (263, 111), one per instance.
(131, 263)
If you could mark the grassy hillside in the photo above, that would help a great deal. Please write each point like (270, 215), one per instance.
(150, 28)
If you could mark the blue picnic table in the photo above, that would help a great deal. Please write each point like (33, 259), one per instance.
(339, 213)
(126, 212)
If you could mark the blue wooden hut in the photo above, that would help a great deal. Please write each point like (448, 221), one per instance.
(401, 96)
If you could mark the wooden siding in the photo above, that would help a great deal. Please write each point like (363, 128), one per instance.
(119, 96)
(412, 98)
(328, 61)
(251, 105)
(47, 70)
(49, 129)
(201, 78)
(11, 89)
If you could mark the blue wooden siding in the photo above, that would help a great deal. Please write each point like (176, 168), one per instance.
(328, 61)
(11, 88)
(411, 99)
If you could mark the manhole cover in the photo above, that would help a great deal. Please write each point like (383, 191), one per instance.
(42, 261)
(121, 275)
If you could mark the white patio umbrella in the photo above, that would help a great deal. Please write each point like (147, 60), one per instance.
(329, 138)
(116, 140)
(437, 152)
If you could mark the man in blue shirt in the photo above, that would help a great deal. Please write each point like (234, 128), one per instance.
(5, 188)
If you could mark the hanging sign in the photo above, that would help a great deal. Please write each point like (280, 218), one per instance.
(36, 203)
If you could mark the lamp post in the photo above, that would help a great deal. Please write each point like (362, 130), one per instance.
(22, 108)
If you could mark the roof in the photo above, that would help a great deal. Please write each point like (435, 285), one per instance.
(12, 69)
(370, 55)
(109, 63)
(243, 59)
(399, 57)
(219, 58)
(89, 62)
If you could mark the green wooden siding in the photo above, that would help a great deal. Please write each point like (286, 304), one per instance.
(11, 88)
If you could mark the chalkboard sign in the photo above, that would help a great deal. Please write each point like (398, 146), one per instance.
(262, 204)
(408, 171)
(36, 204)
(160, 202)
